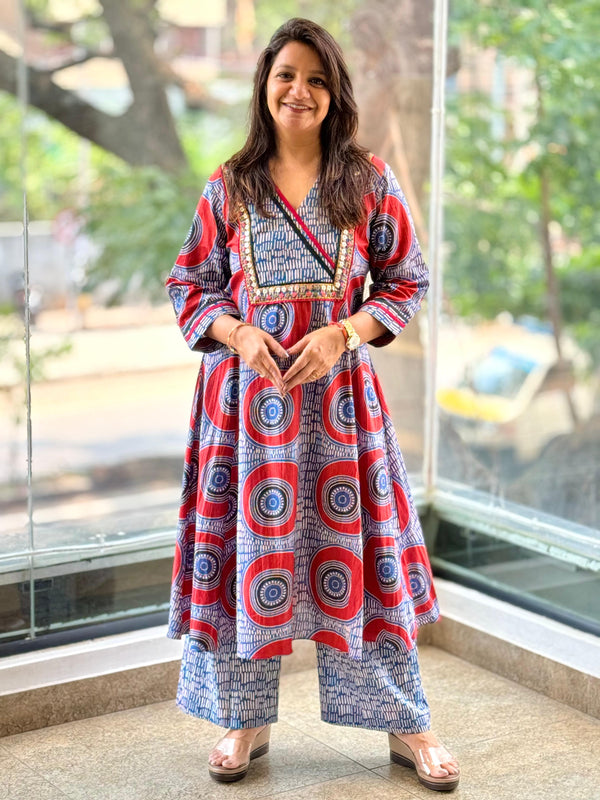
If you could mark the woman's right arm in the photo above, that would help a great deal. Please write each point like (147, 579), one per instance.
(221, 329)
(198, 284)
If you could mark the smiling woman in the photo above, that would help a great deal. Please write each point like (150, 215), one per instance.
(298, 100)
(297, 94)
(296, 519)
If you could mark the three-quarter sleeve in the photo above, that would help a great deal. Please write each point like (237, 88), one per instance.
(198, 284)
(400, 277)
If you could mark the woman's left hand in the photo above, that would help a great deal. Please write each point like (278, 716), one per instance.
(319, 350)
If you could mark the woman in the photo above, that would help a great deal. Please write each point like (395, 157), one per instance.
(296, 519)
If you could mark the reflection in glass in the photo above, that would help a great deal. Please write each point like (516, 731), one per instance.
(566, 591)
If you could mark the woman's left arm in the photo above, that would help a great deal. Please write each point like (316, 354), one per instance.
(399, 273)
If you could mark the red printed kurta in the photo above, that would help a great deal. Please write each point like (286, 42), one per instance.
(296, 517)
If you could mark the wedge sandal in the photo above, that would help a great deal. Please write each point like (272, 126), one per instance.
(422, 760)
(226, 744)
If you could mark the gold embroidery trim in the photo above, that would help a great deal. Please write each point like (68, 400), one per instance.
(331, 290)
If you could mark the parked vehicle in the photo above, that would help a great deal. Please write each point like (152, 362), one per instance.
(517, 397)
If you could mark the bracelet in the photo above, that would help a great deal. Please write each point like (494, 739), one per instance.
(343, 329)
(230, 346)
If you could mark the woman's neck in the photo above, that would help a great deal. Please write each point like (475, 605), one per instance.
(301, 154)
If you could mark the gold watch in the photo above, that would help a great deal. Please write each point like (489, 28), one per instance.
(352, 337)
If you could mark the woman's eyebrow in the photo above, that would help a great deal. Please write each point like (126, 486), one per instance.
(289, 66)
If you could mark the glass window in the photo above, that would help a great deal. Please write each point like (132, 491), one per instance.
(518, 355)
(97, 382)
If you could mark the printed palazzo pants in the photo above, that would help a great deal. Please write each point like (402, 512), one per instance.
(382, 692)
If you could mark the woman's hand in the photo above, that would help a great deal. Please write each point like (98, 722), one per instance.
(253, 345)
(319, 350)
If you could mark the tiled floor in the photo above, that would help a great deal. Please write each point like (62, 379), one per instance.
(512, 744)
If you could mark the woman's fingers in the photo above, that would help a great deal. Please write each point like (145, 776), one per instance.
(320, 349)
(275, 346)
(270, 370)
(307, 372)
(267, 366)
(253, 347)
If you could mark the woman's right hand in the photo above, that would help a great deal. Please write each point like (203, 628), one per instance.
(255, 345)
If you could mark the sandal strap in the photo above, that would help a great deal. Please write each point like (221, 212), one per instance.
(432, 756)
(227, 744)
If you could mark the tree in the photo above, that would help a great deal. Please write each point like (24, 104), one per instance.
(145, 134)
(523, 204)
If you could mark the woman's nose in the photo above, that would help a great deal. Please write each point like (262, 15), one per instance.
(300, 88)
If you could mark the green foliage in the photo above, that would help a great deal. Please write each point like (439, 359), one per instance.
(140, 217)
(493, 176)
(137, 217)
(11, 189)
(580, 294)
(52, 161)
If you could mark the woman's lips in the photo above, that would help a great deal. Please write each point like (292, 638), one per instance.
(297, 108)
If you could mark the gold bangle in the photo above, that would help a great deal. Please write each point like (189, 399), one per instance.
(230, 346)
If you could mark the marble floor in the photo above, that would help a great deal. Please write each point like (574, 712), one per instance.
(511, 742)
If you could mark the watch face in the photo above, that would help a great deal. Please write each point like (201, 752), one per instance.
(353, 341)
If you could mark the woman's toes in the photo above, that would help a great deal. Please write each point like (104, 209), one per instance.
(439, 771)
(231, 762)
(451, 767)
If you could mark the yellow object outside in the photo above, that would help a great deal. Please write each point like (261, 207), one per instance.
(467, 404)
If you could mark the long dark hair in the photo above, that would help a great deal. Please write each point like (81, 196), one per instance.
(345, 169)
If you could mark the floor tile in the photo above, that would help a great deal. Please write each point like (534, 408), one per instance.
(470, 704)
(548, 762)
(19, 782)
(158, 753)
(361, 785)
(299, 707)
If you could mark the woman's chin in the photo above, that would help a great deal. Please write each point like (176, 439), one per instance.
(297, 125)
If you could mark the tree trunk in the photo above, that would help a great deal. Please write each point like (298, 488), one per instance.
(145, 134)
(552, 288)
(152, 124)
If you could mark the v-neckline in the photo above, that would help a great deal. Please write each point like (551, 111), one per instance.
(306, 196)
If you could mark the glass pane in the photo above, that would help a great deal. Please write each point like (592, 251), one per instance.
(520, 342)
(117, 156)
(77, 594)
(14, 530)
(566, 591)
(520, 345)
(117, 176)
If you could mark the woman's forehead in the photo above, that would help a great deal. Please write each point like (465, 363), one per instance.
(297, 54)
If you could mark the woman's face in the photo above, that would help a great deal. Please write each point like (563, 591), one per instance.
(297, 93)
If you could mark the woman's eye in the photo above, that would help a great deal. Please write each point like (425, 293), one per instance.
(318, 81)
(284, 75)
